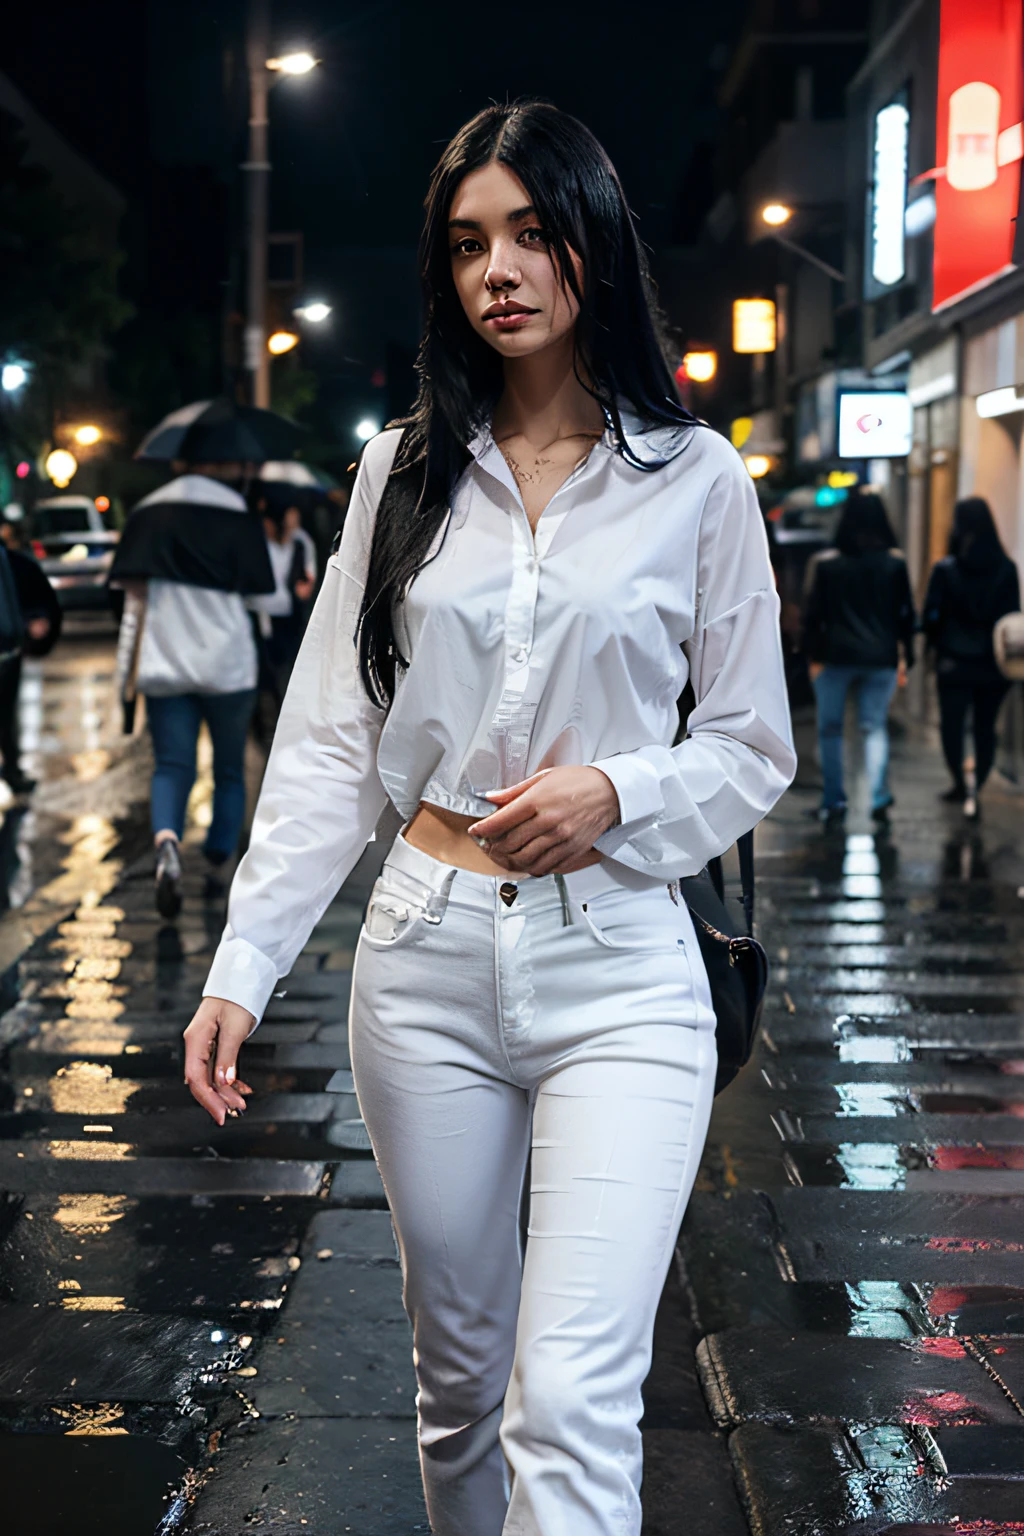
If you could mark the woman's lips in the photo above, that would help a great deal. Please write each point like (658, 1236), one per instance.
(514, 320)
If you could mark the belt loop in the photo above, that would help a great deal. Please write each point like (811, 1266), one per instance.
(563, 895)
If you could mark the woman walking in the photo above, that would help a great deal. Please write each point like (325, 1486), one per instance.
(967, 593)
(859, 626)
(531, 568)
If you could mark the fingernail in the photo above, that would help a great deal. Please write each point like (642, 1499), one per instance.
(231, 1074)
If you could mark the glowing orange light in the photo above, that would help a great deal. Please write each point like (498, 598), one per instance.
(758, 465)
(102, 503)
(753, 325)
(281, 341)
(701, 367)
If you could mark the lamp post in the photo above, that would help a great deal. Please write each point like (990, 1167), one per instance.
(257, 199)
(775, 215)
(257, 180)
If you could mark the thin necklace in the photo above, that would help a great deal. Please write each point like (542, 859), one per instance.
(524, 476)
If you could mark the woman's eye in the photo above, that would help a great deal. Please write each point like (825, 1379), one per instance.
(466, 247)
(534, 237)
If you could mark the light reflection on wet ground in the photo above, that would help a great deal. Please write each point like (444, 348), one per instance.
(142, 1251)
(883, 1128)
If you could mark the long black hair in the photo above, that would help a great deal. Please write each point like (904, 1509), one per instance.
(974, 540)
(864, 525)
(580, 204)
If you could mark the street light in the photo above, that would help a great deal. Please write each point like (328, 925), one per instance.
(366, 429)
(776, 214)
(257, 171)
(61, 466)
(316, 312)
(293, 63)
(281, 341)
(87, 435)
(701, 367)
(758, 465)
(13, 376)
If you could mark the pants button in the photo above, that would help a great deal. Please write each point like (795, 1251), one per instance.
(508, 892)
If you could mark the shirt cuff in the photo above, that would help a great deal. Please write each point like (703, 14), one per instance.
(242, 974)
(637, 784)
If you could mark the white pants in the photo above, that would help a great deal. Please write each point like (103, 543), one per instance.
(580, 1015)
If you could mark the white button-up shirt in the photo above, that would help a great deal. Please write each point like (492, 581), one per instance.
(526, 651)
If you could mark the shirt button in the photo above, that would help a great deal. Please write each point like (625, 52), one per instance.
(520, 654)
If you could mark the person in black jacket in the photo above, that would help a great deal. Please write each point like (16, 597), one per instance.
(858, 616)
(30, 624)
(967, 592)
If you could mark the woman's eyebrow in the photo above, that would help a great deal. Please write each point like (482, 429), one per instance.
(512, 218)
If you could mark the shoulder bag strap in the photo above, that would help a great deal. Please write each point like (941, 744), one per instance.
(745, 848)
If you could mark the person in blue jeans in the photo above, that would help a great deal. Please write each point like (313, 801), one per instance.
(859, 625)
(191, 556)
(174, 722)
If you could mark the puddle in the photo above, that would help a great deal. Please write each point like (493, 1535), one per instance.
(91, 1477)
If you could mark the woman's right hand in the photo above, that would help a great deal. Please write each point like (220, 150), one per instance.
(212, 1042)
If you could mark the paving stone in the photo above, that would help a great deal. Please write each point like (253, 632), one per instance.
(49, 1356)
(837, 1235)
(338, 1475)
(357, 1183)
(966, 1181)
(350, 1133)
(917, 1130)
(317, 1054)
(988, 1453)
(104, 1484)
(814, 1482)
(334, 1034)
(347, 1347)
(688, 1486)
(37, 1170)
(367, 1236)
(159, 1254)
(765, 1375)
(673, 1399)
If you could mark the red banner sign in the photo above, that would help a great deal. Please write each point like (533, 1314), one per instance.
(978, 144)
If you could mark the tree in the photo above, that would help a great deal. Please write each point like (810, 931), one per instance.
(59, 302)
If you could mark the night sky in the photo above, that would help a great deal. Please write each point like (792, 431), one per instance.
(139, 86)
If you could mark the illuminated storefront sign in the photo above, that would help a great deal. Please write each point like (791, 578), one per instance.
(978, 141)
(753, 325)
(875, 425)
(889, 194)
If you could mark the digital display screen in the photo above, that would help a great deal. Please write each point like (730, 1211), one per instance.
(875, 425)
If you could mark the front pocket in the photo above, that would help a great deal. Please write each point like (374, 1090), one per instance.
(392, 919)
(633, 923)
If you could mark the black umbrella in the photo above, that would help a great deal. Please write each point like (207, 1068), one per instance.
(221, 432)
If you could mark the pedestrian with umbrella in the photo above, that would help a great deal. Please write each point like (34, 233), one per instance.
(190, 555)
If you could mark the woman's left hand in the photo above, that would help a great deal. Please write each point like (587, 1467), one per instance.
(549, 823)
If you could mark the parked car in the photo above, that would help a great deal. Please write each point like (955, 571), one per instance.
(74, 547)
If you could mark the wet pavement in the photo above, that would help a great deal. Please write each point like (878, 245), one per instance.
(201, 1330)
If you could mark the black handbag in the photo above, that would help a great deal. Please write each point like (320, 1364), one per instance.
(736, 964)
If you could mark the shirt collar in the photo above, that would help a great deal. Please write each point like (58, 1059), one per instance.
(650, 444)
